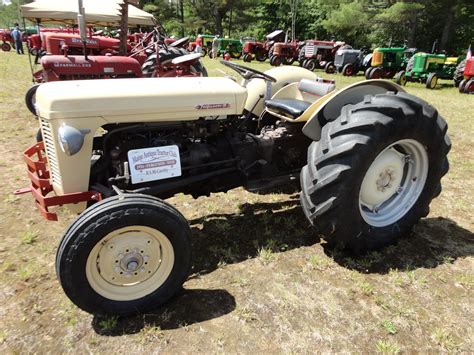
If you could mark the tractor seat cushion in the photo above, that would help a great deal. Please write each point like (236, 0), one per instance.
(288, 107)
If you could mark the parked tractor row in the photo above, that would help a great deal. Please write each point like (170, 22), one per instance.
(148, 55)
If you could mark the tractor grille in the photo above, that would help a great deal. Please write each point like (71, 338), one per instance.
(48, 139)
(377, 59)
(309, 50)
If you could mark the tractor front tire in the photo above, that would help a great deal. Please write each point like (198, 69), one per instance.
(375, 170)
(247, 58)
(261, 56)
(432, 81)
(461, 86)
(401, 78)
(348, 70)
(469, 87)
(235, 55)
(367, 72)
(275, 61)
(310, 64)
(376, 73)
(329, 68)
(127, 254)
(288, 60)
(30, 98)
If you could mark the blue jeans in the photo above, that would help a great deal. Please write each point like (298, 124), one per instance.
(19, 47)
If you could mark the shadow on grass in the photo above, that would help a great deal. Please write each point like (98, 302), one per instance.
(220, 239)
(188, 307)
(433, 242)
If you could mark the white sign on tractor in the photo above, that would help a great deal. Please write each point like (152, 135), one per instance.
(157, 163)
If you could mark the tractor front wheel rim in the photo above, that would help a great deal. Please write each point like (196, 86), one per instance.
(130, 263)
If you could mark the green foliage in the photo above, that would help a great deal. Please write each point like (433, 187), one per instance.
(350, 22)
(369, 23)
(9, 14)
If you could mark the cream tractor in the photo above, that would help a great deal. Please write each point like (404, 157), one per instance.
(368, 160)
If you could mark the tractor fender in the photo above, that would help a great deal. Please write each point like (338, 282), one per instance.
(284, 75)
(329, 107)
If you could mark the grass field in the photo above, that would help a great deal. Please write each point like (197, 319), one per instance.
(261, 279)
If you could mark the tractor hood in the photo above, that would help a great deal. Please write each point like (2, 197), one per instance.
(143, 99)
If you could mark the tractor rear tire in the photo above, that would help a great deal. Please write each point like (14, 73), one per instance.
(375, 170)
(459, 73)
(401, 78)
(6, 47)
(127, 254)
(348, 70)
(30, 98)
(329, 68)
(310, 64)
(432, 81)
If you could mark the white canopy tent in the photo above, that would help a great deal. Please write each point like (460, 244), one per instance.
(98, 12)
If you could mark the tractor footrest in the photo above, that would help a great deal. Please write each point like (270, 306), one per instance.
(41, 186)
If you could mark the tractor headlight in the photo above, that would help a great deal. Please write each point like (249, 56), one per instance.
(71, 139)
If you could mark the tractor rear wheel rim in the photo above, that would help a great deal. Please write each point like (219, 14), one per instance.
(130, 263)
(393, 183)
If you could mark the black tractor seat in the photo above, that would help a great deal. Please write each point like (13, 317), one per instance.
(288, 107)
(294, 108)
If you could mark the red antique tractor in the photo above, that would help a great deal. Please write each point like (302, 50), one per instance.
(261, 50)
(170, 62)
(466, 86)
(285, 53)
(318, 54)
(254, 50)
(96, 45)
(35, 43)
(7, 40)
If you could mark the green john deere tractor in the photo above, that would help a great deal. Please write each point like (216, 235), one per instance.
(428, 68)
(207, 43)
(228, 45)
(386, 62)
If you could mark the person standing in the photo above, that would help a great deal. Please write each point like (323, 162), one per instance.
(214, 47)
(18, 37)
(198, 48)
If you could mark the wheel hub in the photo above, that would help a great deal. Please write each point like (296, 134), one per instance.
(382, 179)
(385, 180)
(131, 261)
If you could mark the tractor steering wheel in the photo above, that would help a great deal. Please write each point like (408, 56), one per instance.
(248, 73)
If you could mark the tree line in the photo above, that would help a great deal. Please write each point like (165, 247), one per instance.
(361, 23)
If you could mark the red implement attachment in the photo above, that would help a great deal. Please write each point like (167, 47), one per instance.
(40, 185)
